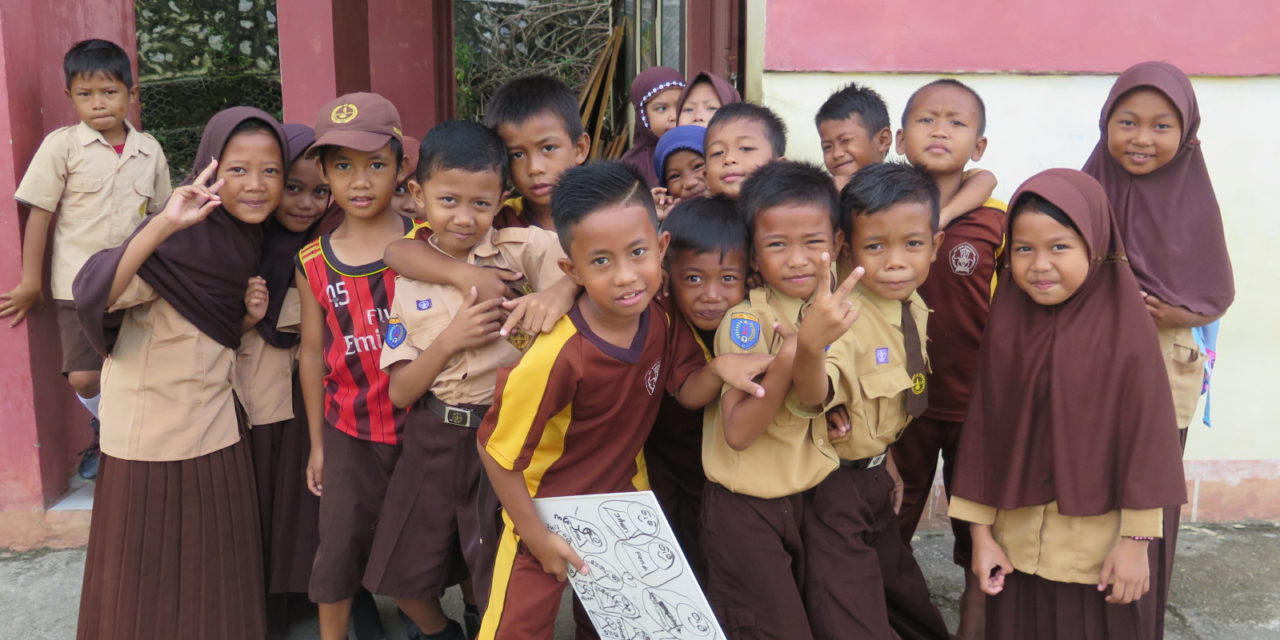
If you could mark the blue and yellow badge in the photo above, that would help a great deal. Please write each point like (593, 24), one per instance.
(744, 330)
(396, 333)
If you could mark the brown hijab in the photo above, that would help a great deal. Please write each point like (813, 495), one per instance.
(727, 92)
(1072, 401)
(648, 84)
(1169, 218)
(202, 270)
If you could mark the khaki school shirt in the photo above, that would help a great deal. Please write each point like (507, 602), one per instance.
(166, 387)
(264, 374)
(868, 367)
(97, 197)
(793, 453)
(1185, 363)
(1040, 541)
(423, 310)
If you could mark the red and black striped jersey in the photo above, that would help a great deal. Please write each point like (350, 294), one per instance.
(356, 301)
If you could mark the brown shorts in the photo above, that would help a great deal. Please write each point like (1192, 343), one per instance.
(429, 535)
(355, 477)
(77, 353)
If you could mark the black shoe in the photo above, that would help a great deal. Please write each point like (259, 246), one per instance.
(451, 631)
(89, 456)
(365, 618)
(471, 620)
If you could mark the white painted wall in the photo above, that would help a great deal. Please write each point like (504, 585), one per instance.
(1035, 122)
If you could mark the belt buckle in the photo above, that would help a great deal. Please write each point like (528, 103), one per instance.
(876, 461)
(457, 417)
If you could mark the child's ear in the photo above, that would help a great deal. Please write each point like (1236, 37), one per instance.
(419, 197)
(567, 266)
(133, 94)
(901, 146)
(581, 147)
(979, 148)
(837, 243)
(664, 241)
(883, 140)
(937, 244)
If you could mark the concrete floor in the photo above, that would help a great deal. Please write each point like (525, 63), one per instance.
(1226, 587)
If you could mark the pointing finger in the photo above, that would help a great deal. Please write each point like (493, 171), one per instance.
(824, 276)
(850, 282)
(208, 172)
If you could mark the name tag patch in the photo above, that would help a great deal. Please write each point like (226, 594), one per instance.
(395, 334)
(882, 355)
(424, 305)
(744, 330)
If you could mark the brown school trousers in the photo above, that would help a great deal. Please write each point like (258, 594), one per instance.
(916, 454)
(755, 564)
(861, 581)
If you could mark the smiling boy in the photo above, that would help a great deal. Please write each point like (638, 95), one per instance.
(741, 138)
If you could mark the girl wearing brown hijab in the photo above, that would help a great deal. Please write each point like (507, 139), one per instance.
(706, 93)
(1068, 456)
(174, 545)
(654, 93)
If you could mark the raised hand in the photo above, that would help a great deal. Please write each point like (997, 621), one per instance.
(831, 313)
(475, 325)
(663, 201)
(192, 203)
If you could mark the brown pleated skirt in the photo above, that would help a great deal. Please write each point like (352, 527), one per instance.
(290, 513)
(174, 551)
(1032, 607)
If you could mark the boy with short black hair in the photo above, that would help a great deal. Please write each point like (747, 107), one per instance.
(355, 429)
(572, 416)
(861, 578)
(741, 138)
(942, 130)
(442, 351)
(537, 118)
(853, 128)
(94, 181)
(759, 453)
(706, 273)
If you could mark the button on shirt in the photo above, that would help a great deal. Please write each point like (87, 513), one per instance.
(97, 196)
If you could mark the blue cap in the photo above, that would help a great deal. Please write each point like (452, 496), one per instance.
(689, 136)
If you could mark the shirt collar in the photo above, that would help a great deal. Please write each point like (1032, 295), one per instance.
(88, 135)
(788, 307)
(890, 309)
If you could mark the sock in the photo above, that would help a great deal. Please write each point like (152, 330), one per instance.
(90, 403)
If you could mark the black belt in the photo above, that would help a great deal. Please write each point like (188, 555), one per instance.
(865, 463)
(463, 415)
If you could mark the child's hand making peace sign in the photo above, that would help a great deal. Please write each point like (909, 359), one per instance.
(192, 203)
(831, 313)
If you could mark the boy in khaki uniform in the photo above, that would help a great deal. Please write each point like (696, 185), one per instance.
(94, 181)
(862, 579)
(759, 454)
(442, 351)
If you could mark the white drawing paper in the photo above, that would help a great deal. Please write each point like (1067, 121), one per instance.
(638, 584)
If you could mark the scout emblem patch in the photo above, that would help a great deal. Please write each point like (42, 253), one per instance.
(917, 384)
(519, 339)
(424, 305)
(395, 334)
(344, 113)
(744, 330)
(882, 355)
(522, 286)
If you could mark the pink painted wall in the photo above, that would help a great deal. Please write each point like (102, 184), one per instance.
(42, 426)
(1230, 37)
(401, 49)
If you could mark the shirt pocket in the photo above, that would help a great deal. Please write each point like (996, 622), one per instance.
(1185, 364)
(883, 400)
(82, 187)
(145, 191)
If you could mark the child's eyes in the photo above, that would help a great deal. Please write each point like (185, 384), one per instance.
(600, 262)
(875, 246)
(914, 243)
(694, 279)
(1125, 123)
(516, 155)
(1164, 125)
(1022, 249)
(776, 244)
(958, 123)
(322, 192)
(342, 166)
(660, 108)
(639, 251)
(674, 177)
(292, 188)
(378, 165)
(925, 120)
(447, 199)
(715, 154)
(687, 110)
(828, 148)
(549, 148)
(729, 279)
(746, 149)
(272, 171)
(1061, 247)
(235, 169)
(401, 190)
(482, 204)
(699, 166)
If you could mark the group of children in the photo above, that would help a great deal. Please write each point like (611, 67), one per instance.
(779, 352)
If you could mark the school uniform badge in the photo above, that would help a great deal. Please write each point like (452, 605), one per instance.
(744, 330)
(424, 305)
(395, 333)
(882, 355)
